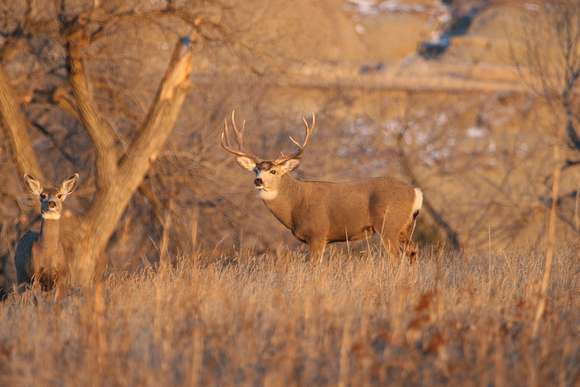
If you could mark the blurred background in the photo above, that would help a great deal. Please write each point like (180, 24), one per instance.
(463, 98)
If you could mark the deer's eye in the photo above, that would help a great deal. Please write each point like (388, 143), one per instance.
(59, 196)
(43, 196)
(273, 171)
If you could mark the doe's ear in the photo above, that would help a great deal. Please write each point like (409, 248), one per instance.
(69, 185)
(33, 185)
(290, 165)
(246, 163)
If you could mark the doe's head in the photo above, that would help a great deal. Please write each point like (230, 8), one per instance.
(51, 198)
(268, 173)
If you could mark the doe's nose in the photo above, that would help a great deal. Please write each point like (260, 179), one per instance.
(51, 205)
(258, 181)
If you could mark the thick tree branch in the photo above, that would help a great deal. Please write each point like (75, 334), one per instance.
(100, 131)
(15, 126)
(162, 114)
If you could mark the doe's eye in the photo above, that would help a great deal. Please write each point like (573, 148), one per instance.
(273, 171)
(43, 195)
(59, 196)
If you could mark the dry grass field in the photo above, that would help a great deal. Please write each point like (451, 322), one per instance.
(176, 273)
(449, 319)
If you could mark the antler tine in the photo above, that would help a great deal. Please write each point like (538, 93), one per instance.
(308, 134)
(239, 132)
(308, 129)
(239, 138)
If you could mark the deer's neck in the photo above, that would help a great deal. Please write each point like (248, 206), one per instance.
(290, 194)
(49, 238)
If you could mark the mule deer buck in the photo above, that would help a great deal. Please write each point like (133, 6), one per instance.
(321, 212)
(39, 255)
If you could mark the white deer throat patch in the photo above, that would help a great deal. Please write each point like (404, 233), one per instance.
(267, 195)
(50, 216)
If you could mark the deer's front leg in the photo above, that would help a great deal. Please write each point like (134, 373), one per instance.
(317, 247)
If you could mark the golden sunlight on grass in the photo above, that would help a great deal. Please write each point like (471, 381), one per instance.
(278, 320)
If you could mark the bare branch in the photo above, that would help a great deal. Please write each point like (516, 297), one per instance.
(100, 131)
(42, 129)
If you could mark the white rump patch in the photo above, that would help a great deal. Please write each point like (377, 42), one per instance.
(268, 195)
(418, 202)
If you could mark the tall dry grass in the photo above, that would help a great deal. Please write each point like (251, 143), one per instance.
(278, 320)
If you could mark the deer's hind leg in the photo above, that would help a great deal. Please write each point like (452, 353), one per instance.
(409, 248)
(389, 232)
(391, 242)
(389, 235)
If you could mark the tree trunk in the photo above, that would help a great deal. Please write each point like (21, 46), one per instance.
(551, 242)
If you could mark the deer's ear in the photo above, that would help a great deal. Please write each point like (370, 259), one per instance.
(69, 185)
(246, 163)
(33, 185)
(290, 165)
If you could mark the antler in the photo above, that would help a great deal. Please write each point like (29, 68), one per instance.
(225, 138)
(308, 133)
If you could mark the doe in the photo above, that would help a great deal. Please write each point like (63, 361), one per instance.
(39, 255)
(322, 212)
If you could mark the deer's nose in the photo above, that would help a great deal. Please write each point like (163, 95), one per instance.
(51, 205)
(258, 181)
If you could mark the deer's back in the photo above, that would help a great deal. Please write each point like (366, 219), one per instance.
(353, 207)
(357, 195)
